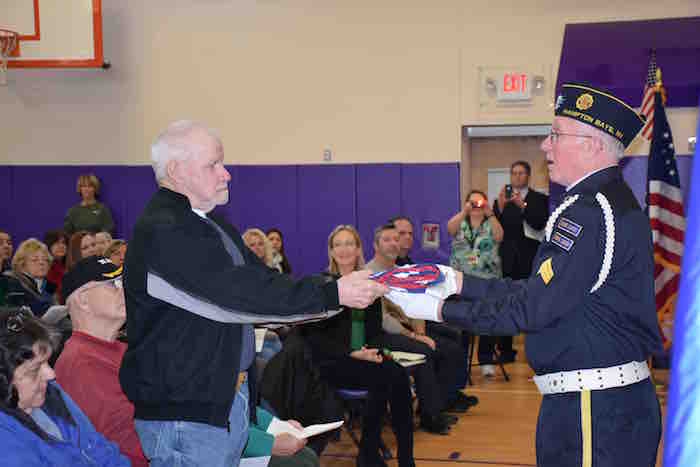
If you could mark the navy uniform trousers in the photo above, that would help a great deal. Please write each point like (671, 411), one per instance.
(617, 427)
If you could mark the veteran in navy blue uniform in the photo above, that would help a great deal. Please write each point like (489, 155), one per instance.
(588, 308)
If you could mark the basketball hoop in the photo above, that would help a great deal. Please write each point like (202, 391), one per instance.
(8, 42)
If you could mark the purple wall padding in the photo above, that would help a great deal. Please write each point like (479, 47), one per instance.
(266, 197)
(615, 56)
(39, 196)
(378, 200)
(7, 211)
(306, 202)
(326, 197)
(138, 187)
(430, 193)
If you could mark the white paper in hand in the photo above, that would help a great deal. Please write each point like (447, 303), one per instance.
(416, 306)
(278, 427)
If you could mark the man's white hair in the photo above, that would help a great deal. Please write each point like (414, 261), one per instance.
(611, 145)
(175, 144)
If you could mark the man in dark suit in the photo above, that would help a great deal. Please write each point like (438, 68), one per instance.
(523, 213)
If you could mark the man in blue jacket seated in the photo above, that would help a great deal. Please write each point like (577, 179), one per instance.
(285, 449)
(588, 309)
(39, 424)
(193, 291)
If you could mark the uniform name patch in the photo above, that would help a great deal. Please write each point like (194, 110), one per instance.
(562, 241)
(570, 226)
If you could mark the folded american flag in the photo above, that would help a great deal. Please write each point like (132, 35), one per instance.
(411, 278)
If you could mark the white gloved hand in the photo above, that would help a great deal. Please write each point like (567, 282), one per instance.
(416, 305)
(445, 288)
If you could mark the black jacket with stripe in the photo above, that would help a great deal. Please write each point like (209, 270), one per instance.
(186, 302)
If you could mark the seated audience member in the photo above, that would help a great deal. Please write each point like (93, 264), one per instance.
(102, 241)
(116, 252)
(81, 245)
(284, 449)
(258, 243)
(88, 367)
(476, 234)
(341, 349)
(5, 250)
(40, 424)
(26, 284)
(436, 380)
(293, 387)
(57, 243)
(404, 227)
(278, 256)
(89, 214)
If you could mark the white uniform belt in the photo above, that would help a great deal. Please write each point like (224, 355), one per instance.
(594, 379)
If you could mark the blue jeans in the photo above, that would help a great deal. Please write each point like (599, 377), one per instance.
(190, 444)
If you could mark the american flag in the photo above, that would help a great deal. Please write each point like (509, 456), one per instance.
(647, 108)
(665, 203)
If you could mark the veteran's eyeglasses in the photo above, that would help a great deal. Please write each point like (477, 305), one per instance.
(554, 135)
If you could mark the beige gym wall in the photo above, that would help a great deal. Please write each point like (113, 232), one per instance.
(374, 81)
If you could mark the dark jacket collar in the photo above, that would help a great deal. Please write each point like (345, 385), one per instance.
(594, 182)
(175, 197)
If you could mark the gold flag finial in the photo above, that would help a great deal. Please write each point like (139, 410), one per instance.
(659, 86)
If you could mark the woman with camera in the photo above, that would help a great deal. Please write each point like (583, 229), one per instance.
(476, 233)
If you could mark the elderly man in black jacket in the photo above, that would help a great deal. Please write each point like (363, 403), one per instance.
(192, 292)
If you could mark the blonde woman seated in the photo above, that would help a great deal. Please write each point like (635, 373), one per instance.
(26, 284)
(102, 241)
(341, 349)
(257, 241)
(476, 233)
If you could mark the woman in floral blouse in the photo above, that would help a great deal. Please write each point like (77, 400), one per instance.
(476, 233)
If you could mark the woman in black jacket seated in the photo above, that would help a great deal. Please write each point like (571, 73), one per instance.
(338, 346)
(26, 284)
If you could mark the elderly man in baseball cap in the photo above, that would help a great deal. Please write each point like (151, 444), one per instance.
(88, 367)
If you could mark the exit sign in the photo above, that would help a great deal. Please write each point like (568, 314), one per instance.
(514, 86)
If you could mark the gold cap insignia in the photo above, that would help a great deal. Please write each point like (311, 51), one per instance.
(584, 101)
(113, 274)
(545, 271)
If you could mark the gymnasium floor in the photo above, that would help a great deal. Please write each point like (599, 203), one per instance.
(499, 432)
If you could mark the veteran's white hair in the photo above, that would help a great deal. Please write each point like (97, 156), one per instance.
(611, 145)
(175, 143)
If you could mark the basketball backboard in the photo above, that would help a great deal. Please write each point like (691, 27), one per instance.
(54, 33)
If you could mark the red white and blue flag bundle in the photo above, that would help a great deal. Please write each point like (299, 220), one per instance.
(413, 278)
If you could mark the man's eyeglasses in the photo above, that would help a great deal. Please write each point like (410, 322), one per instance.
(554, 135)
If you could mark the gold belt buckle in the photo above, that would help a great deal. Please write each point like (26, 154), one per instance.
(241, 378)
